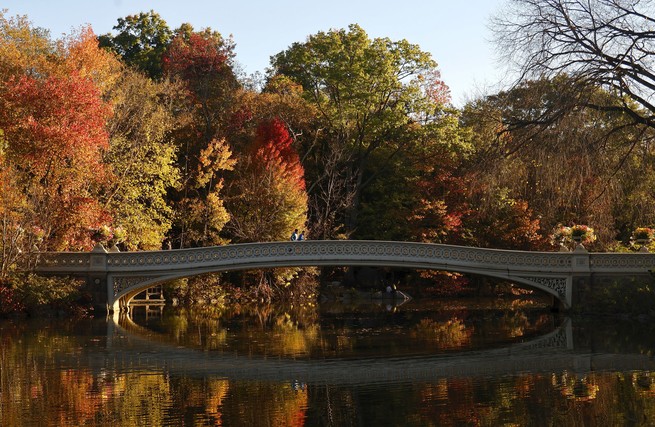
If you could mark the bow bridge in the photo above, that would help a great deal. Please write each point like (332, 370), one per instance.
(117, 277)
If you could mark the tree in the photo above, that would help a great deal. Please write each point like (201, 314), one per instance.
(606, 44)
(203, 218)
(55, 131)
(141, 42)
(267, 197)
(52, 127)
(142, 158)
(368, 95)
(579, 168)
(13, 219)
(420, 194)
(82, 56)
(24, 49)
(201, 62)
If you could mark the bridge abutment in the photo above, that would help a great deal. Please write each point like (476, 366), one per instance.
(96, 286)
(96, 279)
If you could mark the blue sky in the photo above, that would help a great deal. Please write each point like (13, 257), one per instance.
(455, 32)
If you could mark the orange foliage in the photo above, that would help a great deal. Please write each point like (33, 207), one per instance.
(85, 57)
(273, 146)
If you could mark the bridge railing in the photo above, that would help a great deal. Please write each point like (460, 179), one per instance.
(628, 262)
(313, 250)
(362, 252)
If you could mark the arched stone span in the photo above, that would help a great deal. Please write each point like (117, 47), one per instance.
(126, 273)
(127, 288)
(114, 276)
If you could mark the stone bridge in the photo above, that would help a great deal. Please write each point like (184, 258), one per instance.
(117, 277)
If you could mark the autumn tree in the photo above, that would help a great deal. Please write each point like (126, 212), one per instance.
(55, 131)
(368, 94)
(571, 171)
(419, 195)
(54, 124)
(201, 62)
(203, 218)
(142, 157)
(267, 198)
(14, 218)
(24, 49)
(140, 154)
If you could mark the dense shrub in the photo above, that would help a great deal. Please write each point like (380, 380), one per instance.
(32, 293)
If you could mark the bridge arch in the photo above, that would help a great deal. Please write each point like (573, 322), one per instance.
(130, 273)
(113, 276)
(131, 286)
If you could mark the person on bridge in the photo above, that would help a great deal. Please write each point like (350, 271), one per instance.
(294, 235)
(301, 236)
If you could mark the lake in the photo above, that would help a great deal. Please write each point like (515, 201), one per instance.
(421, 363)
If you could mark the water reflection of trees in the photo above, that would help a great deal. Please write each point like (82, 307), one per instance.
(34, 390)
(38, 388)
(528, 399)
(450, 334)
(342, 330)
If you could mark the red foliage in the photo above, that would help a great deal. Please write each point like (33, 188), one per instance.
(510, 226)
(8, 304)
(444, 205)
(200, 59)
(273, 145)
(55, 129)
(59, 119)
(435, 88)
(239, 119)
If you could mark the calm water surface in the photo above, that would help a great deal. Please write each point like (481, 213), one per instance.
(457, 363)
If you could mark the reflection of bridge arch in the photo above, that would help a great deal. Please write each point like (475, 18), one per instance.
(547, 353)
(124, 274)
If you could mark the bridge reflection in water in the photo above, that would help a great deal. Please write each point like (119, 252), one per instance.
(132, 345)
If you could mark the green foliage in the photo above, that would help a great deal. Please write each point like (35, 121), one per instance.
(368, 93)
(34, 292)
(141, 41)
(625, 295)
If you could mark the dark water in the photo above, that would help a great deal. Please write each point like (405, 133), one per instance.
(457, 363)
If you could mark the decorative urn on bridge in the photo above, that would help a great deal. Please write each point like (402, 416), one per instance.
(577, 235)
